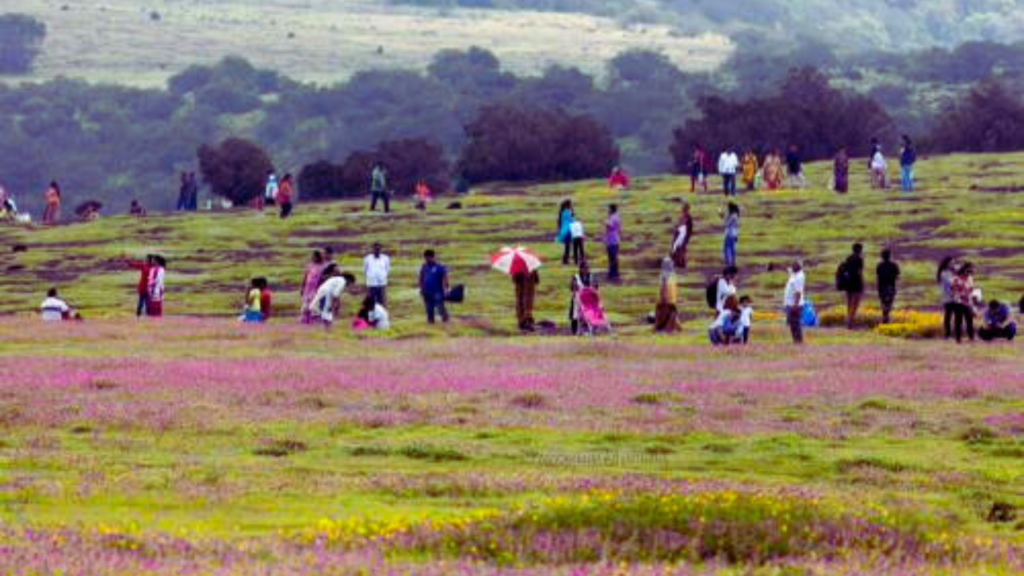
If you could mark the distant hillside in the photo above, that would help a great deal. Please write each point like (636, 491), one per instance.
(144, 42)
(850, 25)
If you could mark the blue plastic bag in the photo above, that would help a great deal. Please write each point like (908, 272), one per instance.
(808, 317)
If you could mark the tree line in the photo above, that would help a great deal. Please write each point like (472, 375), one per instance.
(465, 119)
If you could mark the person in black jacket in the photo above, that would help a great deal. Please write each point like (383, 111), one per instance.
(888, 272)
(850, 279)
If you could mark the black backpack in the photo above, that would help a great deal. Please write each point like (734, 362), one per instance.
(711, 293)
(842, 277)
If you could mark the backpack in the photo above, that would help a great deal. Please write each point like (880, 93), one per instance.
(711, 293)
(842, 277)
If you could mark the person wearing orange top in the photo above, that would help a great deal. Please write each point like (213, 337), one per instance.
(423, 194)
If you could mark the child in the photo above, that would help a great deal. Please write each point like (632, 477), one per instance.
(53, 308)
(266, 299)
(746, 318)
(423, 195)
(251, 312)
(576, 232)
(372, 315)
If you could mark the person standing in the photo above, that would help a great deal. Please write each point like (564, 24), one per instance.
(52, 197)
(750, 169)
(850, 279)
(579, 252)
(285, 195)
(566, 217)
(944, 278)
(183, 191)
(526, 290)
(271, 189)
(612, 239)
(795, 168)
(681, 237)
(963, 311)
(887, 272)
(310, 284)
(155, 300)
(908, 157)
(583, 279)
(732, 234)
(793, 301)
(376, 269)
(699, 168)
(144, 267)
(379, 188)
(434, 286)
(773, 170)
(193, 192)
(728, 163)
(841, 172)
(879, 170)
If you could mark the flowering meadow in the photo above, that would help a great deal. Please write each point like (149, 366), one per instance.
(205, 447)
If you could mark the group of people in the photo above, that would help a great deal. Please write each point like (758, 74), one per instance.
(151, 285)
(962, 301)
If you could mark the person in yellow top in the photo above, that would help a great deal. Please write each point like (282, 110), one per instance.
(253, 311)
(750, 170)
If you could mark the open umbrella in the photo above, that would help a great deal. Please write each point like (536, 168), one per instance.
(88, 206)
(515, 260)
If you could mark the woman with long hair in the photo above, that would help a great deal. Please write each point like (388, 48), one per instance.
(944, 278)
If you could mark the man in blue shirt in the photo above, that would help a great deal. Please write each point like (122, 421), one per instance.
(433, 286)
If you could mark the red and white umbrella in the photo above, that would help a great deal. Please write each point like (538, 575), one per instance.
(515, 260)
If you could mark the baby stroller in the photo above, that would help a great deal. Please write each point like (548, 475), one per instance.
(590, 312)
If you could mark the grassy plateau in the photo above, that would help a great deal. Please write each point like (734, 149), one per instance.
(196, 445)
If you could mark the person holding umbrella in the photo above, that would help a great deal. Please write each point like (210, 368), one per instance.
(522, 265)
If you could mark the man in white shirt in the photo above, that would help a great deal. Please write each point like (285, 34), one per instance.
(728, 164)
(794, 302)
(726, 287)
(376, 268)
(53, 309)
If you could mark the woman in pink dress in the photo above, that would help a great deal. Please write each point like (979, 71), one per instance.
(310, 283)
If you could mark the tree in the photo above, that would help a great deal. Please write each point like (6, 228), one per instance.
(319, 180)
(21, 40)
(407, 162)
(516, 144)
(236, 169)
(989, 119)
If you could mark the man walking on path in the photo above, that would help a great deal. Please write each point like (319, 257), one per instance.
(908, 157)
(376, 269)
(793, 301)
(434, 286)
(379, 188)
(888, 272)
(728, 163)
(612, 238)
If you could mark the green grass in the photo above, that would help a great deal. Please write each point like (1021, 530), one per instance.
(212, 255)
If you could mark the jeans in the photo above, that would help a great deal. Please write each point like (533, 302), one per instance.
(435, 304)
(907, 178)
(568, 249)
(379, 295)
(143, 306)
(729, 184)
(794, 318)
(613, 261)
(729, 250)
(380, 195)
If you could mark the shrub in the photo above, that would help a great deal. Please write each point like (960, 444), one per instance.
(516, 144)
(910, 324)
(21, 40)
(236, 169)
(407, 162)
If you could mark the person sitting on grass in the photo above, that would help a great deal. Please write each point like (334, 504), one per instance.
(998, 322)
(725, 329)
(252, 313)
(746, 319)
(371, 315)
(327, 302)
(54, 308)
